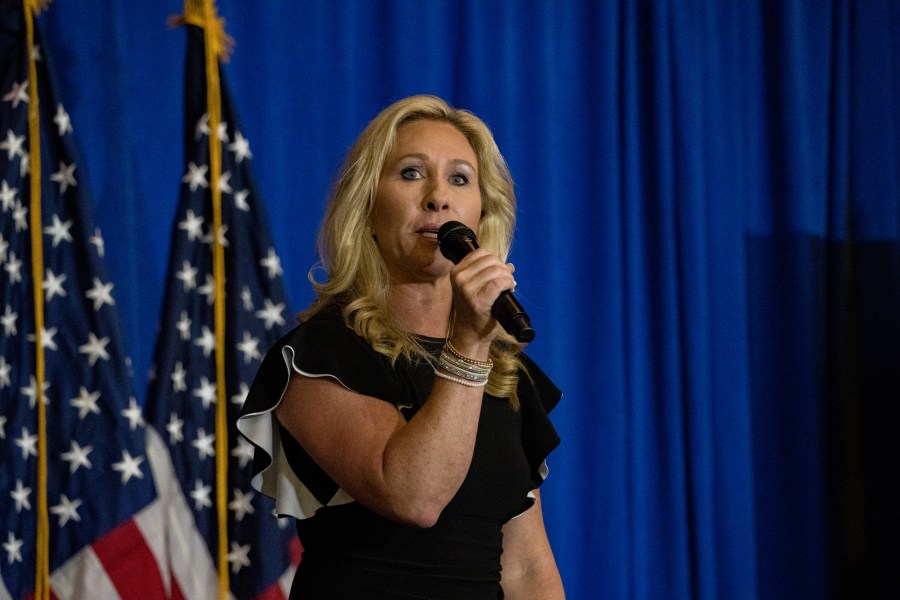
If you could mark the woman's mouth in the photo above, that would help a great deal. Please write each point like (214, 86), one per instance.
(429, 231)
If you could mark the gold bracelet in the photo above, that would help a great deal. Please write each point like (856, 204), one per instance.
(480, 363)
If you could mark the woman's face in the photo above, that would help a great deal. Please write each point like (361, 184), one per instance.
(430, 177)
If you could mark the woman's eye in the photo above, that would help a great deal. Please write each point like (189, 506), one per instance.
(410, 173)
(459, 179)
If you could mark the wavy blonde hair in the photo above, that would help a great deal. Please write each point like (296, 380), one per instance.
(357, 278)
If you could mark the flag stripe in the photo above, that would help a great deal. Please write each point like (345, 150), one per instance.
(151, 521)
(130, 563)
(273, 592)
(83, 576)
(190, 562)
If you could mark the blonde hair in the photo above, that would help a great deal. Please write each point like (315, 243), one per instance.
(357, 279)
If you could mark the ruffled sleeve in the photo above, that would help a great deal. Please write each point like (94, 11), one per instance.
(538, 395)
(321, 347)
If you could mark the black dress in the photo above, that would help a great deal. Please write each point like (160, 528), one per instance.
(348, 550)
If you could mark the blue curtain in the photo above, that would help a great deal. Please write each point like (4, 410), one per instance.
(708, 244)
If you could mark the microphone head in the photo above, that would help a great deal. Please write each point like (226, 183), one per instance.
(456, 240)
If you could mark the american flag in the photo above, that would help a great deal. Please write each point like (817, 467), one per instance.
(101, 507)
(182, 397)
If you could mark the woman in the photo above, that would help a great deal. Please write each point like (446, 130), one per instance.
(398, 422)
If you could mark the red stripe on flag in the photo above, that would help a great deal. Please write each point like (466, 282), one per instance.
(296, 549)
(273, 592)
(129, 563)
(177, 594)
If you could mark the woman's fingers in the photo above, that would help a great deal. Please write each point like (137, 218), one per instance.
(479, 279)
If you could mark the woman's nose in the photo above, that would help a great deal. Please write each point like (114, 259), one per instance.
(436, 198)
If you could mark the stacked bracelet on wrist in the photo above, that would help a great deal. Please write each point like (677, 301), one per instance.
(458, 368)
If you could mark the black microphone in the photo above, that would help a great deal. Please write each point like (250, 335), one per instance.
(456, 240)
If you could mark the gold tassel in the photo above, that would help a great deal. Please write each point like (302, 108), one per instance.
(195, 14)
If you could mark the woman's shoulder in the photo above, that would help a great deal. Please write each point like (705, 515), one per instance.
(324, 329)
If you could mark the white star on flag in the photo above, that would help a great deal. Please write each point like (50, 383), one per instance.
(133, 414)
(196, 177)
(271, 313)
(101, 294)
(239, 556)
(8, 196)
(13, 547)
(207, 341)
(249, 347)
(200, 494)
(184, 326)
(97, 241)
(86, 402)
(178, 375)
(53, 285)
(129, 466)
(175, 428)
(241, 147)
(206, 391)
(18, 93)
(77, 456)
(243, 451)
(240, 504)
(8, 319)
(59, 230)
(20, 496)
(63, 123)
(65, 177)
(95, 348)
(13, 144)
(240, 200)
(66, 510)
(204, 444)
(272, 264)
(192, 225)
(28, 444)
(187, 275)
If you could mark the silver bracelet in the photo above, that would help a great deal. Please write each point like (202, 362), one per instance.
(460, 380)
(464, 373)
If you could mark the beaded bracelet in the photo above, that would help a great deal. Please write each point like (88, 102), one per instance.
(460, 380)
(462, 372)
(478, 363)
(448, 359)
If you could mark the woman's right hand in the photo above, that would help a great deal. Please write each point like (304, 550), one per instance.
(477, 280)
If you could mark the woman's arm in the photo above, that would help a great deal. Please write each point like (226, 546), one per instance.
(406, 472)
(529, 569)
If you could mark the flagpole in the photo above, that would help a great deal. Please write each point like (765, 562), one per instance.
(42, 549)
(214, 109)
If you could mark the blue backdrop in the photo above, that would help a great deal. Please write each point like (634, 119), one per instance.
(708, 245)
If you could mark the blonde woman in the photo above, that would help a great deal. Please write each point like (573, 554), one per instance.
(398, 422)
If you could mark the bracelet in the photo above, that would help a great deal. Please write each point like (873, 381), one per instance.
(454, 364)
(464, 373)
(459, 380)
(471, 361)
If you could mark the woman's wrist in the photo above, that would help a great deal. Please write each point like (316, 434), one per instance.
(478, 349)
(456, 366)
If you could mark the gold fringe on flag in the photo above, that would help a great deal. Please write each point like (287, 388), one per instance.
(42, 544)
(202, 13)
(221, 44)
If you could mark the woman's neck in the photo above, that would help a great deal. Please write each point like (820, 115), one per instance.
(422, 309)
